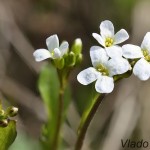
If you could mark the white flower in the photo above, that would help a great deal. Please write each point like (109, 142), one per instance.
(142, 67)
(54, 50)
(103, 70)
(108, 39)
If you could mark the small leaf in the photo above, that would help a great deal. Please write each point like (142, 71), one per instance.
(7, 135)
(48, 85)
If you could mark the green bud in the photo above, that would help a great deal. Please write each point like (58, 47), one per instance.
(77, 46)
(70, 59)
(12, 111)
(79, 59)
(59, 63)
(4, 123)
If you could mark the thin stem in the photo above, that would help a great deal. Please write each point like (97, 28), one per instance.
(96, 102)
(60, 111)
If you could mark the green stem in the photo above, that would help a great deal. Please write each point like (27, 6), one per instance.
(60, 110)
(97, 100)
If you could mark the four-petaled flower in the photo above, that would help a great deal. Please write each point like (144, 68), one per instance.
(54, 50)
(141, 68)
(107, 61)
(108, 39)
(103, 70)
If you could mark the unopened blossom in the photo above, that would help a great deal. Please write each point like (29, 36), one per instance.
(54, 50)
(142, 67)
(108, 39)
(103, 70)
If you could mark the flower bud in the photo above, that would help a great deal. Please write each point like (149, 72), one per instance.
(59, 63)
(70, 59)
(4, 123)
(77, 46)
(12, 111)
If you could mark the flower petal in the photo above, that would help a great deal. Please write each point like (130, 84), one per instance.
(104, 84)
(114, 51)
(121, 36)
(132, 51)
(88, 76)
(98, 55)
(56, 54)
(41, 54)
(146, 42)
(106, 29)
(142, 69)
(52, 42)
(64, 47)
(99, 39)
(118, 66)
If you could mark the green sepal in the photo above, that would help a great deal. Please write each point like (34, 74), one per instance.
(79, 59)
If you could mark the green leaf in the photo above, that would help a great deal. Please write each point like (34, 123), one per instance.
(49, 87)
(7, 135)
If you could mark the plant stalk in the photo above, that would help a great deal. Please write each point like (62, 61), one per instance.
(60, 110)
(96, 103)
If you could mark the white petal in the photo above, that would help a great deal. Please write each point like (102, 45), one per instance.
(52, 42)
(121, 36)
(88, 76)
(146, 42)
(56, 54)
(132, 51)
(142, 69)
(104, 84)
(106, 29)
(99, 39)
(118, 66)
(98, 55)
(114, 51)
(41, 54)
(64, 47)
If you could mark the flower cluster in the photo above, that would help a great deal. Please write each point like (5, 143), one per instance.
(109, 59)
(6, 115)
(60, 55)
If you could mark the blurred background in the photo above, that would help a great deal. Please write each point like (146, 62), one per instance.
(24, 26)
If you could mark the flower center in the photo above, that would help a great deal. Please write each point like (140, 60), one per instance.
(109, 42)
(146, 55)
(103, 70)
(52, 52)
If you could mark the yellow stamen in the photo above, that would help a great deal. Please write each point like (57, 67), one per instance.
(146, 55)
(102, 69)
(109, 42)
